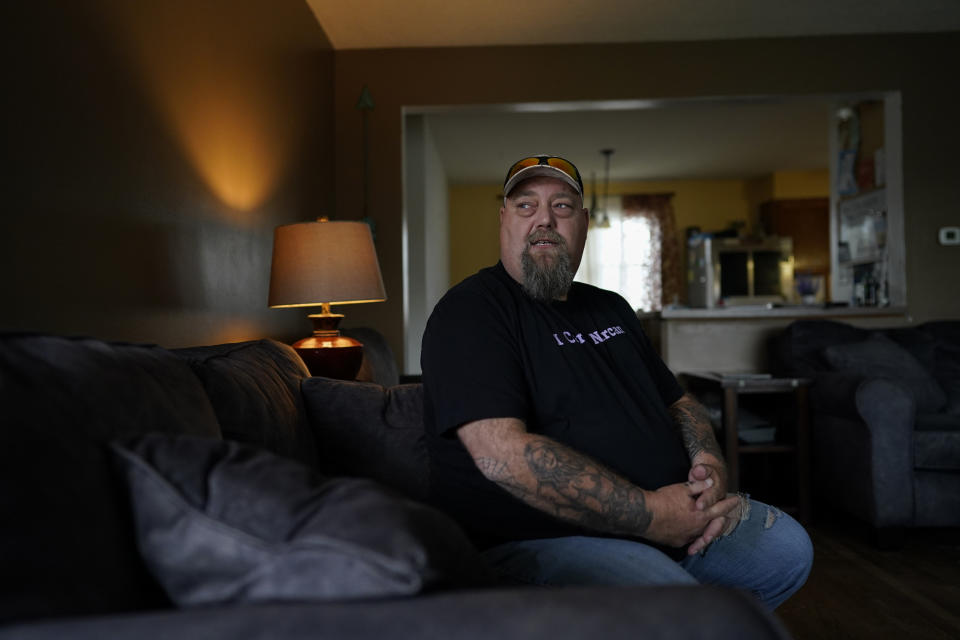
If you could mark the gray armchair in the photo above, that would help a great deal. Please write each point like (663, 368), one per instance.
(885, 407)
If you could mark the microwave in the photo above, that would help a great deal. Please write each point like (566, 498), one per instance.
(731, 271)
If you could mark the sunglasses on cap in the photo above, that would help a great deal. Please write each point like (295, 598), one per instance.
(560, 164)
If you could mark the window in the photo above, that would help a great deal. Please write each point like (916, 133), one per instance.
(625, 257)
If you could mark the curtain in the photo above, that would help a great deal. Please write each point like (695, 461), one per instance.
(658, 209)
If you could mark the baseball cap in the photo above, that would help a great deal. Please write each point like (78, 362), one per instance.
(543, 165)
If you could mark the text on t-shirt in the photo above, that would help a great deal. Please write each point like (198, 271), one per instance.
(601, 335)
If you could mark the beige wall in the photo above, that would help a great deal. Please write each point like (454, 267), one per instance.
(801, 184)
(474, 228)
(912, 64)
(156, 146)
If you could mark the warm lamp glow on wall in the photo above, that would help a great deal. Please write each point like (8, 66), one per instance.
(316, 264)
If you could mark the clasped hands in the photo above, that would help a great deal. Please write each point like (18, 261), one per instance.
(696, 512)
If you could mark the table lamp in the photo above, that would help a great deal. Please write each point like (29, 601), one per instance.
(319, 264)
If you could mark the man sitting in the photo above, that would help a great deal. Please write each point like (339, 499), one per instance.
(559, 438)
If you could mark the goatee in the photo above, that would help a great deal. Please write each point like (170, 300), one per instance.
(550, 277)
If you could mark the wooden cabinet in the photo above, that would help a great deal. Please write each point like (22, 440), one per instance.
(807, 221)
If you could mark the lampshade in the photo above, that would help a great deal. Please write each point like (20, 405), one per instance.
(324, 262)
(318, 264)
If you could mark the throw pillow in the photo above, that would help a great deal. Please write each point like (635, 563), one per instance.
(880, 357)
(222, 522)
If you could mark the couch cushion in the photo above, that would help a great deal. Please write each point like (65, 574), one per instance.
(881, 357)
(936, 422)
(946, 335)
(573, 613)
(936, 498)
(367, 430)
(379, 365)
(920, 344)
(67, 540)
(221, 522)
(937, 450)
(951, 387)
(936, 441)
(798, 350)
(943, 331)
(255, 390)
(947, 372)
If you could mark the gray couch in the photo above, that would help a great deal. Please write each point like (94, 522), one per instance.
(221, 492)
(885, 408)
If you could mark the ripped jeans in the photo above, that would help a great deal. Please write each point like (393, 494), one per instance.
(768, 554)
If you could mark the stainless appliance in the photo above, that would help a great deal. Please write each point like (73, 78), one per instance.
(731, 271)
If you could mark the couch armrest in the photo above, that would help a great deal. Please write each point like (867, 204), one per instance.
(864, 444)
(889, 413)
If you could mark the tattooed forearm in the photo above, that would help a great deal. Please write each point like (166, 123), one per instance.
(573, 487)
(492, 468)
(499, 471)
(695, 429)
(553, 478)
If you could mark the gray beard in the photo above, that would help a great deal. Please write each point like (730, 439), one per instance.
(547, 280)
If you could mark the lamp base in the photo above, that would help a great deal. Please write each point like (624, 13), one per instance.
(327, 353)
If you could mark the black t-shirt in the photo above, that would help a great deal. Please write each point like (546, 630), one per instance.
(580, 371)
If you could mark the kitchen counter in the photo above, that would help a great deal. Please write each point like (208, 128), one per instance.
(735, 338)
(784, 311)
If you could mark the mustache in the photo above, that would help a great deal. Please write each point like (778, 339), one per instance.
(549, 236)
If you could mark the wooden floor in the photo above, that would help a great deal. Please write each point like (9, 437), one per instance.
(858, 591)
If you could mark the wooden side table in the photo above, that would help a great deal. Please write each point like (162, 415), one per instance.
(733, 386)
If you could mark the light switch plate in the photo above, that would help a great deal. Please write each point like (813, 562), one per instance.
(949, 236)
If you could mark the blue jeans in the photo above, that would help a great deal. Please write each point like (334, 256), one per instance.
(768, 554)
